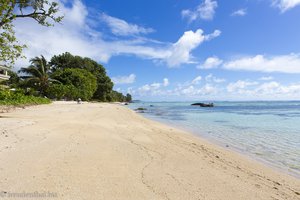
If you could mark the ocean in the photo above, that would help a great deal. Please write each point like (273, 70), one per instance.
(266, 131)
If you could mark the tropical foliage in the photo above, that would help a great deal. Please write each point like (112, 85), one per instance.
(78, 83)
(117, 96)
(104, 83)
(37, 75)
(39, 10)
(66, 77)
(8, 97)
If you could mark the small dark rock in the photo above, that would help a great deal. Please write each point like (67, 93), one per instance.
(141, 109)
(203, 104)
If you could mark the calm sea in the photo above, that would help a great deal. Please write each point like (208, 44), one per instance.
(266, 131)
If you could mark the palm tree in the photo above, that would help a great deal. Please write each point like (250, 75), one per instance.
(38, 74)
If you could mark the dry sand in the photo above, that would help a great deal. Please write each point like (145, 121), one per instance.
(106, 151)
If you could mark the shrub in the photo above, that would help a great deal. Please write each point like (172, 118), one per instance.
(17, 98)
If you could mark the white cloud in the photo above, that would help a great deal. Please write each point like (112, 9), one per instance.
(145, 88)
(211, 78)
(284, 63)
(73, 35)
(189, 90)
(206, 11)
(207, 89)
(267, 88)
(239, 86)
(275, 89)
(196, 88)
(211, 62)
(123, 28)
(151, 89)
(197, 80)
(166, 82)
(77, 36)
(148, 89)
(124, 79)
(180, 52)
(268, 91)
(211, 90)
(240, 12)
(285, 5)
(155, 85)
(266, 78)
(76, 14)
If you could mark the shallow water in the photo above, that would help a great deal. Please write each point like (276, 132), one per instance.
(267, 131)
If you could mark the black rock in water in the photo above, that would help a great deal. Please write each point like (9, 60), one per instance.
(203, 104)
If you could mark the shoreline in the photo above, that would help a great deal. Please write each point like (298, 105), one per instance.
(104, 148)
(224, 146)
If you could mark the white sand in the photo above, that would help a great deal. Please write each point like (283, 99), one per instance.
(106, 151)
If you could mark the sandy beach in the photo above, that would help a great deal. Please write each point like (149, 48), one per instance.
(105, 151)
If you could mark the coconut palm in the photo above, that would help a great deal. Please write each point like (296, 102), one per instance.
(37, 75)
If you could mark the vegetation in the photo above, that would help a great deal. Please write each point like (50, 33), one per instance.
(60, 91)
(37, 75)
(104, 83)
(66, 77)
(77, 83)
(128, 98)
(116, 96)
(17, 98)
(42, 11)
(14, 80)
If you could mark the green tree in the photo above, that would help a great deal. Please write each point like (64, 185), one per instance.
(105, 86)
(37, 75)
(116, 96)
(78, 83)
(60, 91)
(104, 83)
(14, 80)
(128, 98)
(41, 11)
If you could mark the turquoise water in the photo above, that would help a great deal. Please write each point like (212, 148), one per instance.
(266, 131)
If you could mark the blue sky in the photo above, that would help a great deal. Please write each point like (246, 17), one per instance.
(181, 49)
